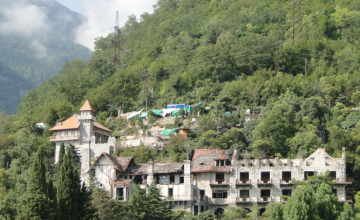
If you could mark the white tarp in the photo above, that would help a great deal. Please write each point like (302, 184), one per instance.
(166, 111)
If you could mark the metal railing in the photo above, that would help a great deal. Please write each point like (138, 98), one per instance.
(287, 180)
(264, 180)
(348, 198)
(243, 199)
(264, 199)
(342, 180)
(62, 137)
(219, 182)
(243, 181)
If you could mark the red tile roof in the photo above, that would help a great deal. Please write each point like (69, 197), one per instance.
(97, 125)
(68, 124)
(87, 107)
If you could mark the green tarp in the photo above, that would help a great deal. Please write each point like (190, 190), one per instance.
(188, 109)
(167, 132)
(134, 114)
(143, 115)
(174, 113)
(157, 112)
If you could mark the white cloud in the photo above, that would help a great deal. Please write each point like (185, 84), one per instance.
(23, 18)
(41, 51)
(100, 17)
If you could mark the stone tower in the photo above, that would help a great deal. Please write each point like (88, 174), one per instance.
(87, 122)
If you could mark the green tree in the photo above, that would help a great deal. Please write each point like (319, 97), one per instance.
(274, 211)
(85, 208)
(326, 203)
(148, 205)
(357, 205)
(67, 190)
(355, 98)
(233, 212)
(61, 157)
(300, 206)
(37, 204)
(347, 213)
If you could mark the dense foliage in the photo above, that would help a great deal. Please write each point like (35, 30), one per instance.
(221, 53)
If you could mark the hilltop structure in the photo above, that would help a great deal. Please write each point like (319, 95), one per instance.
(215, 179)
(89, 138)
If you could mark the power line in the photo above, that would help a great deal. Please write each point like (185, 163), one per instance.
(20, 84)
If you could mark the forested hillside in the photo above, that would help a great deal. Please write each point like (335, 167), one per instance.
(34, 47)
(222, 53)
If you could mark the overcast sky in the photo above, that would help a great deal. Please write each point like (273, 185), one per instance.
(100, 15)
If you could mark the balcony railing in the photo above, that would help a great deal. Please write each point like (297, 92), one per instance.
(286, 181)
(347, 180)
(243, 199)
(264, 181)
(219, 182)
(243, 182)
(264, 199)
(64, 137)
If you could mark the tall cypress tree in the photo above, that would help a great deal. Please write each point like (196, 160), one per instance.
(61, 156)
(37, 204)
(85, 208)
(67, 190)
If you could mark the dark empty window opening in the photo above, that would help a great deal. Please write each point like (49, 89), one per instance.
(172, 179)
(170, 192)
(286, 192)
(138, 179)
(202, 209)
(157, 179)
(286, 176)
(308, 173)
(219, 194)
(332, 175)
(202, 195)
(181, 179)
(334, 191)
(265, 194)
(244, 194)
(228, 162)
(145, 177)
(244, 177)
(220, 177)
(196, 209)
(120, 193)
(220, 163)
(265, 177)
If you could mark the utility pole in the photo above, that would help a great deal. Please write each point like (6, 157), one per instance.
(277, 58)
(116, 43)
(299, 19)
(292, 35)
(145, 92)
(305, 65)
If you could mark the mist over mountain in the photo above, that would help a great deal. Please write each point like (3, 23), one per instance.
(36, 38)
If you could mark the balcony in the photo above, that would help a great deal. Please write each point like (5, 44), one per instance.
(64, 137)
(345, 198)
(342, 181)
(286, 182)
(219, 182)
(264, 182)
(243, 182)
(264, 199)
(243, 200)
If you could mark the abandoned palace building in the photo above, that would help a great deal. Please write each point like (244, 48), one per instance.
(213, 179)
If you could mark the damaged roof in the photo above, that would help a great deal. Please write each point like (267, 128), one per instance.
(159, 168)
(121, 163)
(204, 161)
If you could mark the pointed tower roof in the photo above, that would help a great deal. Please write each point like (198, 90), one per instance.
(87, 107)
